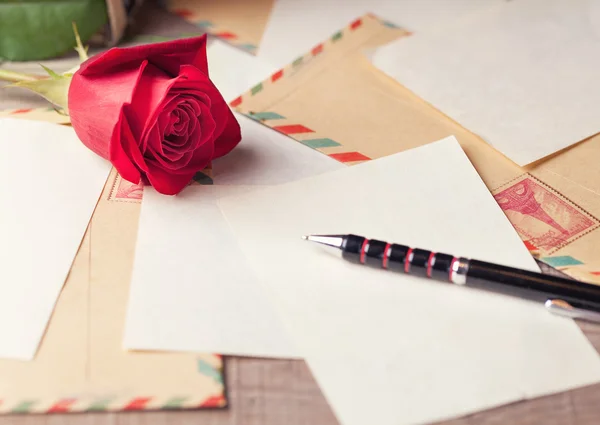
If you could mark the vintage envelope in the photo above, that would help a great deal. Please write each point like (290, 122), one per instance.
(333, 100)
(40, 234)
(239, 22)
(81, 364)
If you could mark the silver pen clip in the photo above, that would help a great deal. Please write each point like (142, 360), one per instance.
(563, 308)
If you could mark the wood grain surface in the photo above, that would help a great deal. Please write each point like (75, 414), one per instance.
(283, 392)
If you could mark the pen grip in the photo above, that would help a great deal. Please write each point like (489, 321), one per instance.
(399, 258)
(474, 273)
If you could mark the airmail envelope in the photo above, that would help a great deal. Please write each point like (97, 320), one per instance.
(332, 99)
(81, 364)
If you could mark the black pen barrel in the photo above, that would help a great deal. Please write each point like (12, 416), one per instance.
(481, 274)
(474, 273)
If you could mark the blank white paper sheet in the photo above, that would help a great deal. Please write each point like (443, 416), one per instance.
(191, 290)
(522, 75)
(419, 350)
(296, 26)
(49, 186)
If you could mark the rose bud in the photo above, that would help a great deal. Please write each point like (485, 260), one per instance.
(153, 112)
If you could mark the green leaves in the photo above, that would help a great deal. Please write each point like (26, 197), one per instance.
(42, 29)
(54, 88)
(81, 51)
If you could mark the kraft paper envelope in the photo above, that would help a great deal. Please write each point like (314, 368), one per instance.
(80, 364)
(40, 234)
(333, 100)
(111, 378)
(240, 22)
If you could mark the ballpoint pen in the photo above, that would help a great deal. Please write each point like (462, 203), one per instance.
(561, 296)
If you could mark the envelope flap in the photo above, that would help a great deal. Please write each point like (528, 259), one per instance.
(333, 100)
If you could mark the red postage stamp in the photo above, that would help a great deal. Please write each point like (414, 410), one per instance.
(125, 191)
(545, 220)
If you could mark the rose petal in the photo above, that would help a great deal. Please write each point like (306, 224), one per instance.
(169, 115)
(168, 183)
(168, 56)
(167, 152)
(95, 105)
(192, 79)
(208, 125)
(178, 124)
(199, 160)
(124, 153)
(173, 160)
(172, 155)
(192, 130)
(229, 138)
(174, 165)
(150, 97)
(190, 117)
(154, 140)
(167, 121)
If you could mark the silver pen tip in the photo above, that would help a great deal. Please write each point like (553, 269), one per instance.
(335, 241)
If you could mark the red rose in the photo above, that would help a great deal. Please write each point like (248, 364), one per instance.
(153, 112)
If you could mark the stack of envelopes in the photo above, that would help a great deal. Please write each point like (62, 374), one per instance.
(401, 132)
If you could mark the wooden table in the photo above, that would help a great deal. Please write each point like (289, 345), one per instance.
(283, 392)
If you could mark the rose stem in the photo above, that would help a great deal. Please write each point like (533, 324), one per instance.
(15, 77)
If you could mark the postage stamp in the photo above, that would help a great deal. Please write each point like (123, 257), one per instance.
(125, 191)
(545, 219)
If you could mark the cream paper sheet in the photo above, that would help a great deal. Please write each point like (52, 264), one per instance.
(420, 351)
(191, 290)
(523, 75)
(295, 27)
(49, 186)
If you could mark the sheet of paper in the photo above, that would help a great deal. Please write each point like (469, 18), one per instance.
(420, 351)
(295, 27)
(523, 76)
(233, 70)
(49, 185)
(190, 289)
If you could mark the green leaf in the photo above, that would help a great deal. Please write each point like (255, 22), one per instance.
(81, 51)
(43, 29)
(51, 73)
